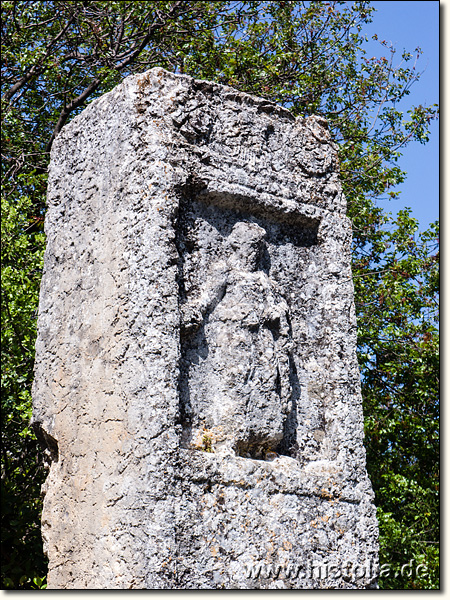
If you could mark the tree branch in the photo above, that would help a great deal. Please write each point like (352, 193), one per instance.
(64, 114)
(38, 67)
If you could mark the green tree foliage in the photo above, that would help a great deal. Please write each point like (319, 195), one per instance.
(397, 286)
(309, 56)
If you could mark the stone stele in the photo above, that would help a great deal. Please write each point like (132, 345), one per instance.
(196, 381)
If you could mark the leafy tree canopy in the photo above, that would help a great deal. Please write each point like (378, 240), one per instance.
(310, 57)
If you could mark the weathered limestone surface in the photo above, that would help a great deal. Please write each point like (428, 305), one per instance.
(196, 378)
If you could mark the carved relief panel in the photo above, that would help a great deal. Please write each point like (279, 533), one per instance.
(243, 330)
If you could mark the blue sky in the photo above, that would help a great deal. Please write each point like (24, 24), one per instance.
(408, 24)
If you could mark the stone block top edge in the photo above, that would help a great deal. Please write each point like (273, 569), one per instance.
(138, 83)
(226, 91)
(318, 124)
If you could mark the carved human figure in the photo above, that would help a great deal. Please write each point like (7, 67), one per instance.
(240, 393)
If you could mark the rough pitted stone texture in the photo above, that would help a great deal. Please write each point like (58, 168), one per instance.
(196, 377)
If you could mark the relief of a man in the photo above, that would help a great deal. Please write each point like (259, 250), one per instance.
(244, 377)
